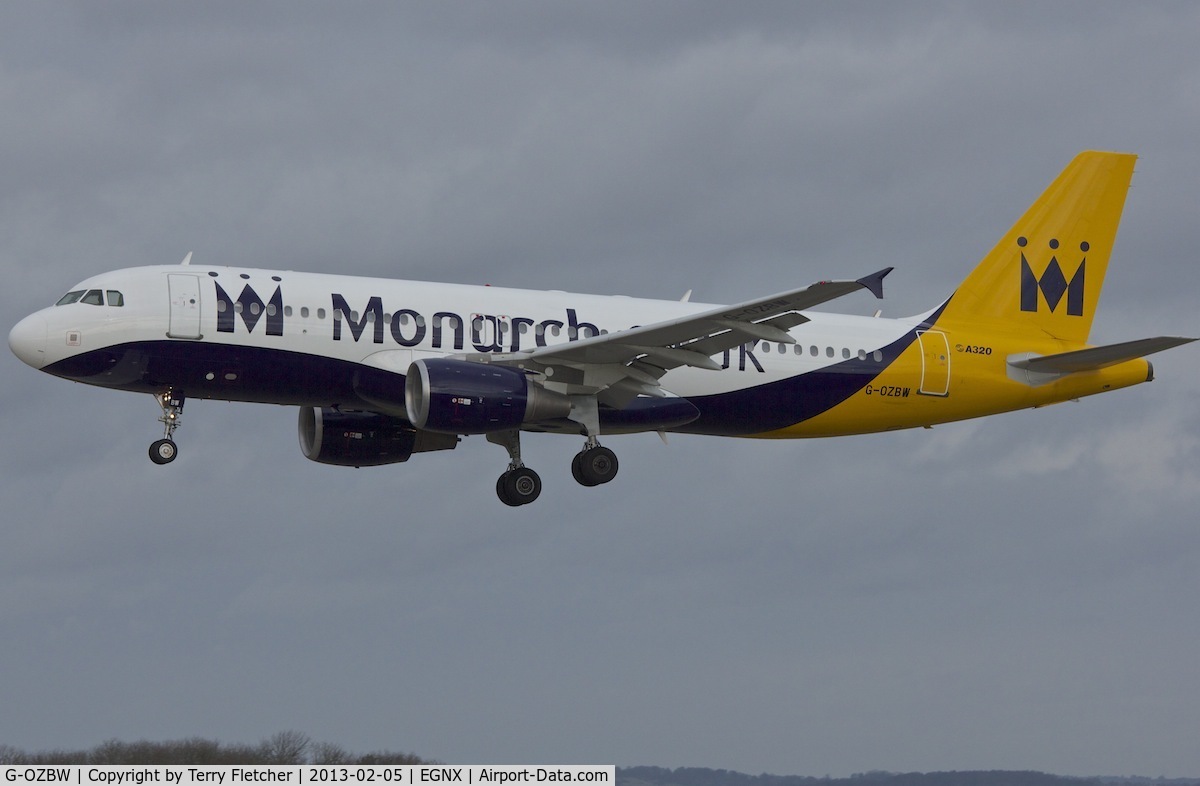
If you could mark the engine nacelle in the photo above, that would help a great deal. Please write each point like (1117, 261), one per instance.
(460, 397)
(363, 439)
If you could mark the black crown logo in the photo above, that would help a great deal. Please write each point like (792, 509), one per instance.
(1053, 283)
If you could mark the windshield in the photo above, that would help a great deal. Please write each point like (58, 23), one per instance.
(93, 297)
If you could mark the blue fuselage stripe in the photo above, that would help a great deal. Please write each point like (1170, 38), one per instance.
(255, 374)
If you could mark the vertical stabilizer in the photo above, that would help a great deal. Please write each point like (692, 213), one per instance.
(1045, 274)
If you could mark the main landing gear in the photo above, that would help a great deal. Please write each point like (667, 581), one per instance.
(164, 451)
(593, 465)
(520, 485)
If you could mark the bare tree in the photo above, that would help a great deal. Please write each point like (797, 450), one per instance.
(286, 747)
(330, 753)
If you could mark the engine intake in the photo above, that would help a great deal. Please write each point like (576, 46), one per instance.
(363, 439)
(460, 397)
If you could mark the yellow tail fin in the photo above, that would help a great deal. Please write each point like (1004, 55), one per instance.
(1045, 274)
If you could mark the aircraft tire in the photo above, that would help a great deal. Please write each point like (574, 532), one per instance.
(163, 451)
(518, 487)
(595, 466)
(577, 473)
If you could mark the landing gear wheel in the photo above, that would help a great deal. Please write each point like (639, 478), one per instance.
(594, 466)
(518, 486)
(576, 472)
(163, 451)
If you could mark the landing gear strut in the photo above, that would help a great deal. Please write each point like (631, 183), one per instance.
(164, 451)
(595, 464)
(520, 485)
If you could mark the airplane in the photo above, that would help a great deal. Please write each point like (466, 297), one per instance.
(382, 369)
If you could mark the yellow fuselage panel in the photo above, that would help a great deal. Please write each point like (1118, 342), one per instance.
(969, 377)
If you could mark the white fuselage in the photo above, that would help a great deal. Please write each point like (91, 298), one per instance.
(214, 326)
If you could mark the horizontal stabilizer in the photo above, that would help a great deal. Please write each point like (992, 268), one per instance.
(1096, 357)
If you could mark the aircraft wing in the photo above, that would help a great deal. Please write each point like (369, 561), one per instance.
(624, 364)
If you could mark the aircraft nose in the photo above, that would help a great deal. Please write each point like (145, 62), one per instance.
(27, 340)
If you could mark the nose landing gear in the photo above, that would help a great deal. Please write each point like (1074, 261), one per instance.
(164, 451)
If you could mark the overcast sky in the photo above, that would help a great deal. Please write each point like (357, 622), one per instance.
(1018, 592)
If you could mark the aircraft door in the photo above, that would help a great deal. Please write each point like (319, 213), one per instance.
(935, 363)
(185, 305)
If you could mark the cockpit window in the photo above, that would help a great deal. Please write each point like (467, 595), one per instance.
(93, 297)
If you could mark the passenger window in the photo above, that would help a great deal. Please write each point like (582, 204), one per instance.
(94, 297)
(115, 298)
(845, 352)
(829, 351)
(70, 297)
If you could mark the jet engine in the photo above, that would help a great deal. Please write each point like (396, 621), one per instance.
(461, 397)
(363, 439)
